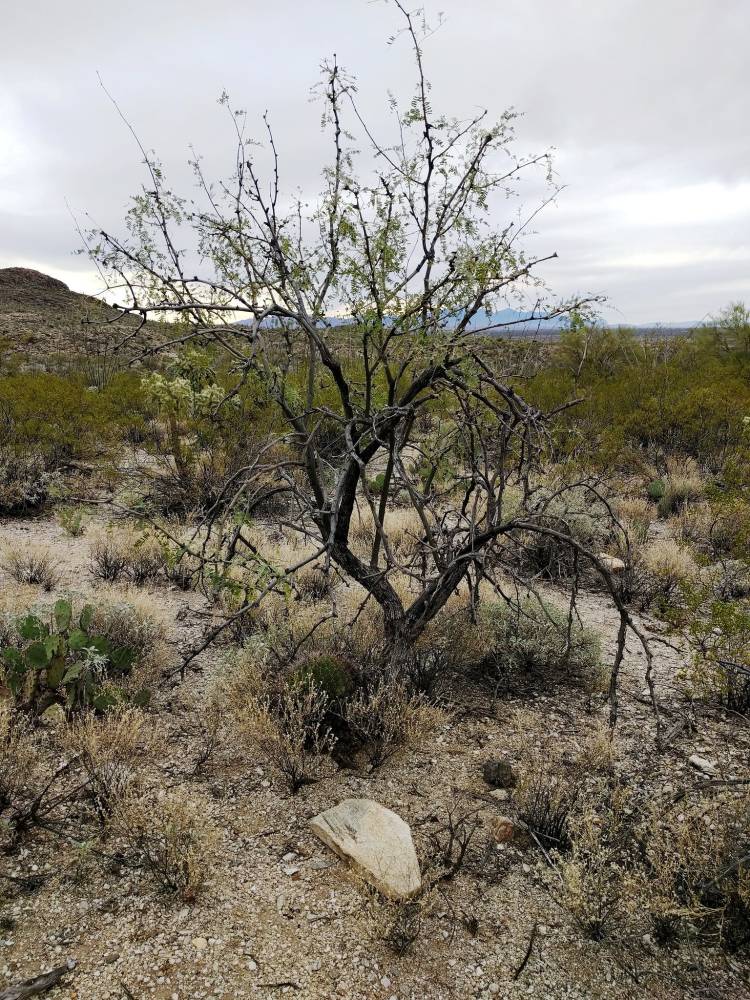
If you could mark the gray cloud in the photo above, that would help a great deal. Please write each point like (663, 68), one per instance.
(646, 104)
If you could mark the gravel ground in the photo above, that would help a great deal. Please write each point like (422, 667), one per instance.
(280, 915)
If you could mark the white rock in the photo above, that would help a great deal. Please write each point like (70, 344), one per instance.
(612, 563)
(377, 840)
(199, 943)
(703, 765)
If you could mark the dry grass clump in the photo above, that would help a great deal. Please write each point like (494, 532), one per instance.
(636, 515)
(32, 564)
(595, 873)
(696, 877)
(683, 484)
(125, 553)
(112, 749)
(385, 717)
(668, 566)
(313, 583)
(132, 620)
(397, 923)
(168, 834)
(289, 732)
(24, 482)
(19, 755)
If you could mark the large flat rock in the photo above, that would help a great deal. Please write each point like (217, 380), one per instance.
(376, 840)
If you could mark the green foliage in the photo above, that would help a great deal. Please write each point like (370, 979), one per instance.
(535, 639)
(64, 661)
(655, 490)
(72, 521)
(720, 633)
(60, 419)
(377, 484)
(329, 674)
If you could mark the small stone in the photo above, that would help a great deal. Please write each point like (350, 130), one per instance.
(200, 943)
(703, 765)
(499, 774)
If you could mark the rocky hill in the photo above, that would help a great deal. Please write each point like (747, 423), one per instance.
(42, 320)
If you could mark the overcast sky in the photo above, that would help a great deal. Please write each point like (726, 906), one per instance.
(647, 103)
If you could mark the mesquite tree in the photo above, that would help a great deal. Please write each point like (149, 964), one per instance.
(361, 315)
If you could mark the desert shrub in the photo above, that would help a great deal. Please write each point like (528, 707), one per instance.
(288, 730)
(656, 490)
(545, 801)
(126, 553)
(665, 568)
(329, 674)
(576, 512)
(24, 482)
(67, 662)
(167, 833)
(729, 579)
(19, 755)
(594, 872)
(682, 485)
(108, 557)
(72, 521)
(636, 516)
(32, 564)
(377, 484)
(61, 419)
(397, 923)
(696, 879)
(111, 750)
(313, 583)
(385, 716)
(537, 640)
(37, 787)
(719, 530)
(720, 671)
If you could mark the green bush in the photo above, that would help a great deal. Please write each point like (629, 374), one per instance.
(536, 640)
(329, 674)
(60, 419)
(656, 490)
(66, 662)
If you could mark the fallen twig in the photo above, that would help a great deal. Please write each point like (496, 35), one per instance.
(39, 984)
(527, 956)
